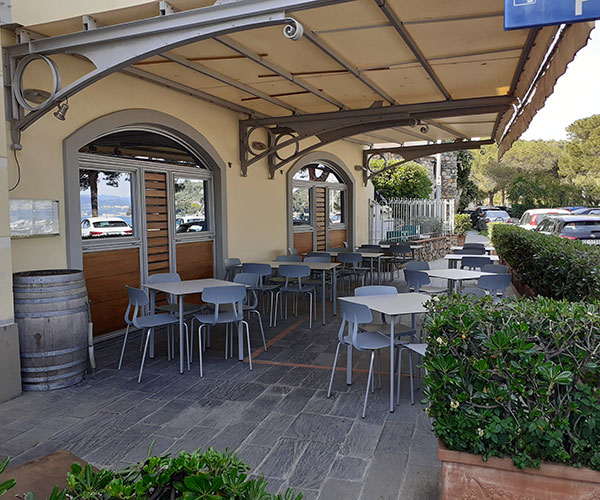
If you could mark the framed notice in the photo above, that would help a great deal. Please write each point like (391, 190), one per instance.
(33, 218)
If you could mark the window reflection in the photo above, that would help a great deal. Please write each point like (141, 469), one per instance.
(301, 206)
(190, 205)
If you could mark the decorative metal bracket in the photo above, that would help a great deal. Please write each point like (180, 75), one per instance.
(409, 153)
(113, 48)
(290, 137)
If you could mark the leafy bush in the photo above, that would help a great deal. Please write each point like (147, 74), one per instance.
(210, 475)
(520, 381)
(462, 224)
(551, 266)
(409, 180)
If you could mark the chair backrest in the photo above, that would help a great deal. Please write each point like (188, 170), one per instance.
(137, 298)
(293, 271)
(495, 282)
(474, 262)
(289, 258)
(233, 295)
(416, 279)
(345, 243)
(371, 248)
(417, 265)
(495, 268)
(478, 292)
(322, 259)
(349, 258)
(251, 280)
(353, 315)
(470, 251)
(292, 251)
(362, 291)
(473, 245)
(230, 266)
(319, 254)
(400, 249)
(164, 278)
(261, 269)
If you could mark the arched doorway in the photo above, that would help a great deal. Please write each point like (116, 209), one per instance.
(321, 204)
(146, 201)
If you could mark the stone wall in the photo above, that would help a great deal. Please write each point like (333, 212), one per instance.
(449, 175)
(434, 248)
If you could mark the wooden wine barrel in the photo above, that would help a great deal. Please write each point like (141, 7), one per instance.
(51, 309)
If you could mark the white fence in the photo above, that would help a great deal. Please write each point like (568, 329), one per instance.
(408, 219)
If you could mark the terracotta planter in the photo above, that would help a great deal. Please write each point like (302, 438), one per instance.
(468, 477)
(460, 239)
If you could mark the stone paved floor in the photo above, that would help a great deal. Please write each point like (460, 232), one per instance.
(276, 418)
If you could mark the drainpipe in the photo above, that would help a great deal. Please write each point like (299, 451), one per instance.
(438, 176)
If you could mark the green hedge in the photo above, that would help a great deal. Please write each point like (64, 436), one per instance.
(520, 381)
(553, 267)
(208, 475)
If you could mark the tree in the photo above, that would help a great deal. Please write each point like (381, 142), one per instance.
(490, 175)
(581, 163)
(467, 189)
(88, 179)
(409, 180)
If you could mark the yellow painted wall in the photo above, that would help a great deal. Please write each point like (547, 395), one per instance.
(256, 210)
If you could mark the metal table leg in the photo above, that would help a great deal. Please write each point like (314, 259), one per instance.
(323, 293)
(392, 321)
(181, 342)
(349, 365)
(334, 285)
(241, 342)
(379, 270)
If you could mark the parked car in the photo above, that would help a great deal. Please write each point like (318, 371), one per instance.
(585, 228)
(185, 219)
(572, 209)
(531, 218)
(478, 213)
(492, 216)
(586, 211)
(192, 227)
(102, 227)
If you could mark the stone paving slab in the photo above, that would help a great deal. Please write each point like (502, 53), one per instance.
(277, 417)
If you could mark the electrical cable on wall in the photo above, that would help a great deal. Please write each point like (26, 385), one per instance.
(18, 172)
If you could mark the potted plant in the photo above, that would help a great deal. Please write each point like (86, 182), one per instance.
(513, 392)
(462, 224)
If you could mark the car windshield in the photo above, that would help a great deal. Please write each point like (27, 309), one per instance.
(589, 224)
(110, 223)
(496, 213)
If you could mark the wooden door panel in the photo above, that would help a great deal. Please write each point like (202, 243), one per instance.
(303, 242)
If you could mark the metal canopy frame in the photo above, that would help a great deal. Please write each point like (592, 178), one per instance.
(113, 48)
(290, 131)
(409, 153)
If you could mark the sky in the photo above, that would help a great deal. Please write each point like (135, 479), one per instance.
(575, 96)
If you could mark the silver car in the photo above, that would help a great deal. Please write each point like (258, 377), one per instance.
(493, 216)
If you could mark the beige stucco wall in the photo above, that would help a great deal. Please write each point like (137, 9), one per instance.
(256, 205)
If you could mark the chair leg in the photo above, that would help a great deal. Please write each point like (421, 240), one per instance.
(275, 310)
(410, 369)
(144, 355)
(123, 349)
(399, 375)
(262, 332)
(369, 379)
(200, 348)
(310, 310)
(337, 353)
(226, 340)
(379, 368)
(248, 338)
(187, 344)
(169, 334)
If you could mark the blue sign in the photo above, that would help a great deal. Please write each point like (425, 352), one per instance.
(536, 13)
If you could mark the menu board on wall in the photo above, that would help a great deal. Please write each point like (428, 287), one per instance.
(33, 218)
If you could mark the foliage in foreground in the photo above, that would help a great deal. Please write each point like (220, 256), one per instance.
(521, 380)
(552, 266)
(210, 475)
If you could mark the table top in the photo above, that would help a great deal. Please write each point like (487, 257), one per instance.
(412, 247)
(365, 255)
(456, 274)
(393, 305)
(454, 256)
(314, 266)
(188, 287)
(487, 248)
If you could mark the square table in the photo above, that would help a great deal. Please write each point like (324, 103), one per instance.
(188, 287)
(393, 306)
(453, 275)
(367, 255)
(453, 259)
(323, 267)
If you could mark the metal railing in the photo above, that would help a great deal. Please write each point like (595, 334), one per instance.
(410, 219)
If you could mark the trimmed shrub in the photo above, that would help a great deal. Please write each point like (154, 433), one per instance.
(521, 380)
(553, 267)
(191, 476)
(462, 224)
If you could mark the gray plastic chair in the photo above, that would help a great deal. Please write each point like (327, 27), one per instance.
(354, 315)
(474, 262)
(371, 248)
(289, 258)
(421, 283)
(250, 305)
(319, 254)
(232, 297)
(320, 259)
(495, 268)
(351, 266)
(401, 253)
(417, 265)
(420, 350)
(231, 267)
(478, 292)
(474, 245)
(293, 275)
(263, 271)
(495, 284)
(470, 251)
(292, 251)
(172, 306)
(138, 298)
